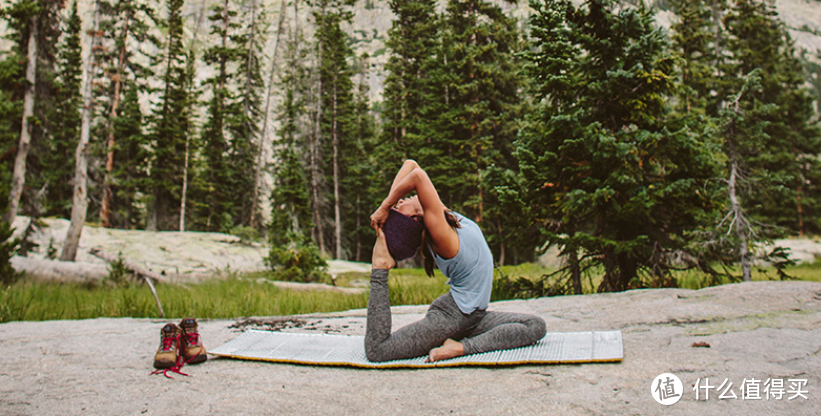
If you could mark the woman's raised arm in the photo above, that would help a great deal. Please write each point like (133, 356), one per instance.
(444, 237)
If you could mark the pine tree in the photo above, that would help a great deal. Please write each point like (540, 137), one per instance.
(693, 36)
(31, 26)
(413, 42)
(10, 115)
(231, 131)
(335, 111)
(478, 122)
(759, 41)
(245, 112)
(66, 125)
(361, 182)
(131, 162)
(291, 215)
(170, 125)
(413, 95)
(214, 131)
(123, 24)
(603, 177)
(293, 252)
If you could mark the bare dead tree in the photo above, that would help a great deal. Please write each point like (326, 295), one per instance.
(736, 216)
(79, 207)
(263, 137)
(18, 181)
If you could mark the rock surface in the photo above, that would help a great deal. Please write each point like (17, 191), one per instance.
(182, 256)
(761, 330)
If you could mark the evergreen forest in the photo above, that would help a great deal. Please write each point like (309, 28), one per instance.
(637, 149)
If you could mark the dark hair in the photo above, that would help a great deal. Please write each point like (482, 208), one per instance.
(427, 253)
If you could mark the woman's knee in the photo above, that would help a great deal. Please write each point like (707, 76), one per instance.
(375, 353)
(538, 327)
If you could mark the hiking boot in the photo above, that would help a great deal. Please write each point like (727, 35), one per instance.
(166, 356)
(192, 349)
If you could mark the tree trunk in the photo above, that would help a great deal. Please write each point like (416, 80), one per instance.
(105, 209)
(572, 253)
(314, 149)
(183, 198)
(18, 181)
(739, 219)
(337, 215)
(357, 256)
(740, 223)
(247, 111)
(263, 136)
(80, 204)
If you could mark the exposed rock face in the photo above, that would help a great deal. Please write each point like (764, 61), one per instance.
(760, 330)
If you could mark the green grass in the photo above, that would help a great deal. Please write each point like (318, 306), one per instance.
(229, 298)
(690, 279)
(241, 296)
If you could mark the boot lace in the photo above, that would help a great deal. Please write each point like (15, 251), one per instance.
(168, 343)
(192, 340)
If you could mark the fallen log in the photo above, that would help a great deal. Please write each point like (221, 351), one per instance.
(45, 270)
(130, 265)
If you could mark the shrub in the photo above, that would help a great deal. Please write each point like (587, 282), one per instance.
(118, 273)
(297, 263)
(247, 235)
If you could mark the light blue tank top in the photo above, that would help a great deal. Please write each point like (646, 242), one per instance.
(470, 272)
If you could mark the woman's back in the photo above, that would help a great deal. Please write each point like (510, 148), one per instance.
(470, 272)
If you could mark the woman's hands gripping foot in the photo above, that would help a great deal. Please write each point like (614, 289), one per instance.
(450, 349)
(381, 256)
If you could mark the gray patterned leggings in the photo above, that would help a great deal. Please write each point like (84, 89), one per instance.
(480, 331)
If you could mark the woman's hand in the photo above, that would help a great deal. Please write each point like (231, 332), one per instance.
(379, 217)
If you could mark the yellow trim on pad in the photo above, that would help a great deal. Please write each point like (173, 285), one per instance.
(440, 364)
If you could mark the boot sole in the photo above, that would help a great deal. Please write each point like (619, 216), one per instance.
(201, 358)
(163, 364)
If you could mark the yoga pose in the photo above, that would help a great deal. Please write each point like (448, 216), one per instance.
(457, 323)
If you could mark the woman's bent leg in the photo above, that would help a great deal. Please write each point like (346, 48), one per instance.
(443, 320)
(502, 330)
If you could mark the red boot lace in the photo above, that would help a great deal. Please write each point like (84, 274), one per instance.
(167, 344)
(192, 339)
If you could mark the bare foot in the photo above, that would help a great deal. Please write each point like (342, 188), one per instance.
(450, 349)
(381, 256)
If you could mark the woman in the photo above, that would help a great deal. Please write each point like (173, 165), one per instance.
(457, 323)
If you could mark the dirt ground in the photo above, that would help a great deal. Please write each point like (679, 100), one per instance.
(735, 333)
